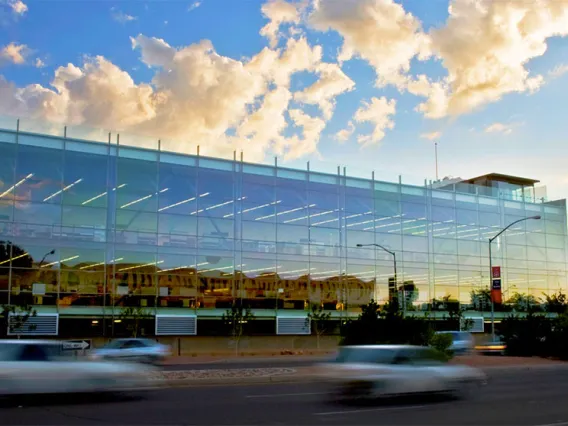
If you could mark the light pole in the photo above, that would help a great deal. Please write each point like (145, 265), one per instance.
(491, 269)
(393, 254)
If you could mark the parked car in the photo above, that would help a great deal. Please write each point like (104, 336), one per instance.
(42, 366)
(462, 341)
(388, 370)
(135, 349)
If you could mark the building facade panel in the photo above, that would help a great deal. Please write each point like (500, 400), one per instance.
(105, 226)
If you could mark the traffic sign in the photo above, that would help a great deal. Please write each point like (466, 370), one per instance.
(497, 284)
(76, 345)
(496, 272)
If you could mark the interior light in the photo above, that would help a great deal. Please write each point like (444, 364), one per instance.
(16, 185)
(183, 202)
(63, 190)
(141, 266)
(59, 261)
(96, 197)
(14, 258)
(101, 263)
(94, 322)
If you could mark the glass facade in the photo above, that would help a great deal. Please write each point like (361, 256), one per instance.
(91, 225)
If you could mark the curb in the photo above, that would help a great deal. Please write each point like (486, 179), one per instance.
(305, 377)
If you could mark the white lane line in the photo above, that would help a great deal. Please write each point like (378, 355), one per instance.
(278, 395)
(368, 410)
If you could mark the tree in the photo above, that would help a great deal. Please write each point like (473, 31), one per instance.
(481, 299)
(556, 303)
(319, 320)
(235, 320)
(133, 317)
(14, 318)
(522, 302)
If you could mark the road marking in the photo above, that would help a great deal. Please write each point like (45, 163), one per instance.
(368, 410)
(277, 395)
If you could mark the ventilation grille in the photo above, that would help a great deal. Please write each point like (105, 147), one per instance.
(477, 324)
(176, 325)
(292, 325)
(40, 325)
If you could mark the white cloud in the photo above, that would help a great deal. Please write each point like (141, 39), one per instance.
(14, 53)
(18, 7)
(332, 82)
(120, 16)
(279, 12)
(379, 113)
(344, 134)
(485, 46)
(39, 63)
(558, 71)
(193, 6)
(432, 136)
(506, 129)
(378, 31)
(196, 97)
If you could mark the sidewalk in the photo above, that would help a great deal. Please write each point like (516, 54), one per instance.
(231, 376)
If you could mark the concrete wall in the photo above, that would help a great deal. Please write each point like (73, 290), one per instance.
(255, 345)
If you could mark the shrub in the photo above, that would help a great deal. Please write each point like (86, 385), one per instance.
(442, 343)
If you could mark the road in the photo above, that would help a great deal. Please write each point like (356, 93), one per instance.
(252, 362)
(521, 398)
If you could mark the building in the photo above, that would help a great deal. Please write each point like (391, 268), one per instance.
(88, 228)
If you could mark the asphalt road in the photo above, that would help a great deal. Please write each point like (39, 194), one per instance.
(521, 398)
(252, 362)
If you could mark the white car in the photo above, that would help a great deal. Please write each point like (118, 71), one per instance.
(389, 370)
(42, 366)
(135, 349)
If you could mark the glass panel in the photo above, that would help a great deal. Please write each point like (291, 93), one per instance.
(39, 175)
(138, 185)
(82, 187)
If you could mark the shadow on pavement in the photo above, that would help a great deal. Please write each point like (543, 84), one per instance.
(22, 401)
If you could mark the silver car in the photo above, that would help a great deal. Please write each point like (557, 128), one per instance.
(140, 350)
(43, 367)
(388, 370)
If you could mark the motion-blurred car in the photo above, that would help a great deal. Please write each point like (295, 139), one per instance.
(462, 341)
(145, 351)
(491, 347)
(42, 366)
(389, 370)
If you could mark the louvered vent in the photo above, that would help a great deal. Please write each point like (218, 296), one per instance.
(292, 325)
(476, 324)
(39, 325)
(176, 325)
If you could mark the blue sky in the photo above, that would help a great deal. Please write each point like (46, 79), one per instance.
(529, 126)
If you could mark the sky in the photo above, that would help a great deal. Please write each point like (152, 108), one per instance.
(369, 85)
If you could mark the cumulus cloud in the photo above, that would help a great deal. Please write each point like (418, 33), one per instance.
(378, 31)
(331, 83)
(279, 12)
(14, 53)
(432, 136)
(18, 7)
(39, 63)
(193, 6)
(344, 134)
(120, 16)
(558, 71)
(506, 129)
(378, 112)
(485, 46)
(196, 97)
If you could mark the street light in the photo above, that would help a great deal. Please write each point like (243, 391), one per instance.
(394, 260)
(491, 269)
(52, 252)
